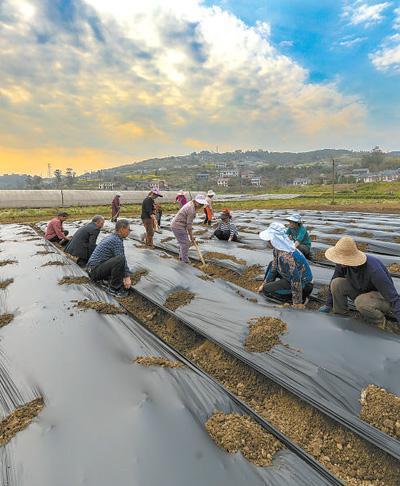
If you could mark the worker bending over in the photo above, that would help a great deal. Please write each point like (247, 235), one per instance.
(108, 261)
(226, 229)
(288, 276)
(298, 233)
(363, 279)
(182, 225)
(55, 231)
(84, 240)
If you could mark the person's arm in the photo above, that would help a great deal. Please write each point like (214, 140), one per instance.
(270, 272)
(384, 285)
(232, 231)
(300, 236)
(118, 250)
(92, 240)
(57, 226)
(189, 224)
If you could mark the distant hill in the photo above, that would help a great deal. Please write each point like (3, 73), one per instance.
(246, 157)
(12, 181)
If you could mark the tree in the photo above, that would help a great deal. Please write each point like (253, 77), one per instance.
(58, 176)
(28, 181)
(70, 174)
(373, 160)
(37, 182)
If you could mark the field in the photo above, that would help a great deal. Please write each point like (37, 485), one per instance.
(238, 380)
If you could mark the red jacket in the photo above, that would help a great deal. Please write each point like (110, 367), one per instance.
(54, 228)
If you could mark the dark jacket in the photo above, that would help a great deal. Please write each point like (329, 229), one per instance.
(83, 242)
(148, 207)
(372, 276)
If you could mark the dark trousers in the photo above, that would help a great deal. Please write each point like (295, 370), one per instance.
(62, 242)
(224, 235)
(282, 290)
(112, 270)
(82, 262)
(305, 250)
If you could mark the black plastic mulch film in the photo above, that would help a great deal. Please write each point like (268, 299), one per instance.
(106, 420)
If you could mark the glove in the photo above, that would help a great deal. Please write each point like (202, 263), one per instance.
(325, 309)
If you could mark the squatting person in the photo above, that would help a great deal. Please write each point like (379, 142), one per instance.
(182, 225)
(288, 276)
(108, 261)
(226, 229)
(55, 231)
(148, 215)
(84, 240)
(298, 233)
(363, 279)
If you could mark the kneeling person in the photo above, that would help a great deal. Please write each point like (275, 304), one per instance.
(288, 276)
(298, 233)
(108, 261)
(84, 240)
(365, 280)
(55, 231)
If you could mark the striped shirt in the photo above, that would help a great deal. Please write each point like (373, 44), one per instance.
(184, 217)
(227, 226)
(108, 248)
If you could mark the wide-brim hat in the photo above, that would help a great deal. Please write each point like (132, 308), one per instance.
(211, 193)
(200, 199)
(272, 230)
(295, 218)
(345, 252)
(156, 191)
(181, 193)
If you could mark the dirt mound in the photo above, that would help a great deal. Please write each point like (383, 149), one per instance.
(5, 283)
(319, 255)
(234, 433)
(362, 246)
(74, 280)
(55, 263)
(5, 319)
(7, 262)
(366, 234)
(178, 299)
(329, 241)
(33, 239)
(135, 277)
(264, 334)
(19, 420)
(165, 240)
(222, 256)
(337, 231)
(396, 239)
(99, 306)
(30, 233)
(246, 279)
(381, 409)
(158, 361)
(45, 252)
(200, 232)
(394, 268)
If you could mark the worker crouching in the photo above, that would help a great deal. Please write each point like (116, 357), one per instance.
(288, 276)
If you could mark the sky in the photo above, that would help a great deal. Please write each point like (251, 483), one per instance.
(91, 84)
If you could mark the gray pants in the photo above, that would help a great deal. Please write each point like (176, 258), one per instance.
(372, 305)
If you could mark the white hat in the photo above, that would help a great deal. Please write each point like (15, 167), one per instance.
(181, 193)
(276, 234)
(210, 193)
(295, 218)
(200, 199)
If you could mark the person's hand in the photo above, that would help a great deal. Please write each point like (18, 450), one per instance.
(260, 288)
(230, 239)
(325, 309)
(127, 282)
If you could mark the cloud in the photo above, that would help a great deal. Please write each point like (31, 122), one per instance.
(286, 43)
(351, 41)
(387, 58)
(361, 12)
(133, 80)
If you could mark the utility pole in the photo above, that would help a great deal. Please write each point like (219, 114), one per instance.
(49, 171)
(333, 181)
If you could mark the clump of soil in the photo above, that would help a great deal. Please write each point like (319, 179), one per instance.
(337, 231)
(6, 282)
(206, 277)
(362, 246)
(178, 299)
(33, 239)
(221, 256)
(396, 239)
(354, 461)
(158, 361)
(19, 420)
(313, 237)
(5, 319)
(165, 240)
(320, 255)
(394, 268)
(74, 280)
(264, 334)
(381, 409)
(7, 262)
(200, 232)
(245, 279)
(30, 233)
(45, 252)
(135, 277)
(234, 433)
(99, 306)
(330, 241)
(366, 234)
(54, 263)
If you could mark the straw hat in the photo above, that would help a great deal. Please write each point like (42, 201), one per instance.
(210, 193)
(345, 252)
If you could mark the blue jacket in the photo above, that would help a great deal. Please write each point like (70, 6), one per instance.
(372, 276)
(108, 248)
(294, 268)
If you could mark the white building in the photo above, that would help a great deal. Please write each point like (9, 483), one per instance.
(255, 181)
(223, 182)
(301, 181)
(229, 173)
(106, 186)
